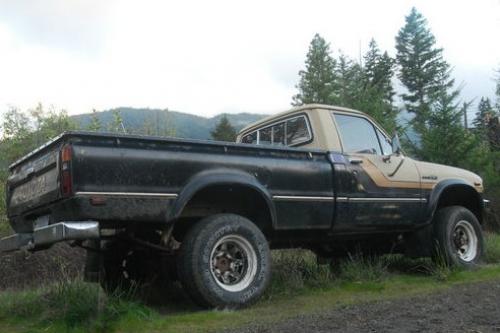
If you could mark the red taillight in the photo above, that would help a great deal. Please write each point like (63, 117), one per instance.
(66, 182)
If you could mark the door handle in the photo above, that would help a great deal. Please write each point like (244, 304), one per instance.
(355, 160)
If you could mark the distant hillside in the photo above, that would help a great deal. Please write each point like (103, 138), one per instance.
(161, 122)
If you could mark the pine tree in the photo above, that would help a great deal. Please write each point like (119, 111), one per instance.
(117, 123)
(378, 89)
(348, 84)
(444, 139)
(316, 81)
(497, 91)
(224, 131)
(423, 72)
(484, 114)
(95, 123)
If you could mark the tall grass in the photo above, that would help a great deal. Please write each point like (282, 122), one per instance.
(69, 305)
(492, 250)
(295, 270)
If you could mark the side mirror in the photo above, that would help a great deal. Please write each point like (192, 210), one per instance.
(396, 144)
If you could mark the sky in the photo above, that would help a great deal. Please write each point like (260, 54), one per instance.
(210, 57)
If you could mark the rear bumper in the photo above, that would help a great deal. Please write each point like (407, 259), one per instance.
(50, 234)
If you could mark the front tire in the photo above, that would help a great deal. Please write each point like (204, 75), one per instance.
(224, 262)
(459, 237)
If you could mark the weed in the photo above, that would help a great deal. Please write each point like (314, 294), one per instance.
(295, 270)
(360, 268)
(492, 251)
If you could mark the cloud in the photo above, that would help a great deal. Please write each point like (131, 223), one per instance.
(209, 57)
(77, 26)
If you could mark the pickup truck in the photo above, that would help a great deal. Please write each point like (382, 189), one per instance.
(319, 177)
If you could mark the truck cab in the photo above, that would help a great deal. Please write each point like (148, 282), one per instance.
(377, 185)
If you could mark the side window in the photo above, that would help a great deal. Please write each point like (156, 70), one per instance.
(279, 134)
(358, 135)
(297, 131)
(250, 138)
(286, 133)
(265, 136)
(385, 143)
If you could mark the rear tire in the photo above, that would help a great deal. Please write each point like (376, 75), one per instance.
(459, 237)
(224, 262)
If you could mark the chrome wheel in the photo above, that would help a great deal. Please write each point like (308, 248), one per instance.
(465, 241)
(233, 263)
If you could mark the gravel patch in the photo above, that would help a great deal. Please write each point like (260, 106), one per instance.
(463, 308)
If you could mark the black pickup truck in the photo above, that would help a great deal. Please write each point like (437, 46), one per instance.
(318, 177)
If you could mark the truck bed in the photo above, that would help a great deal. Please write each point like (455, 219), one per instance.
(117, 179)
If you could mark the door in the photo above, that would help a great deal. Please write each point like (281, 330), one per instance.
(377, 188)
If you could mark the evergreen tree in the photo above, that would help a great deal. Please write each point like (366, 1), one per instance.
(117, 123)
(444, 139)
(316, 81)
(423, 72)
(497, 90)
(348, 84)
(378, 89)
(484, 114)
(95, 123)
(224, 131)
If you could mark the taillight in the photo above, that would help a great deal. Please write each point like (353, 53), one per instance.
(66, 182)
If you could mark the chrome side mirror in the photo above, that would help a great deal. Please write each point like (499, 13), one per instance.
(396, 144)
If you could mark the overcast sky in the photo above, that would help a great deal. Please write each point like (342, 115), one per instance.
(208, 57)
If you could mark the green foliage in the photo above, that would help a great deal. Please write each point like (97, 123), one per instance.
(484, 113)
(69, 305)
(346, 83)
(117, 124)
(95, 123)
(492, 251)
(224, 131)
(317, 80)
(423, 72)
(360, 268)
(368, 88)
(294, 270)
(23, 132)
(497, 90)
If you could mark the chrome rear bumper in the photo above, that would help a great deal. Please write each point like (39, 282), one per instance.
(50, 234)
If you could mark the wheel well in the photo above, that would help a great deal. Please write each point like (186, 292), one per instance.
(215, 199)
(464, 196)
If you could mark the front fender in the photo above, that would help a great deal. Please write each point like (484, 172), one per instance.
(445, 185)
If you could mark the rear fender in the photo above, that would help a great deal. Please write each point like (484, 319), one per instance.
(209, 178)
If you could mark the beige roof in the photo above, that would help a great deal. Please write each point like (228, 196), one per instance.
(297, 109)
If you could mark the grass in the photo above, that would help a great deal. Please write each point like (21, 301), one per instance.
(492, 251)
(299, 286)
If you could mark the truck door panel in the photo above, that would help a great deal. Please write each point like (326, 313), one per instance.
(376, 190)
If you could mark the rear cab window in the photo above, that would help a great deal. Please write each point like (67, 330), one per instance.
(288, 132)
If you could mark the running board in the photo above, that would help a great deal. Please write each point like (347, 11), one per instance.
(50, 234)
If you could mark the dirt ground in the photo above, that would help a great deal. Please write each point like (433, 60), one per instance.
(465, 308)
(20, 270)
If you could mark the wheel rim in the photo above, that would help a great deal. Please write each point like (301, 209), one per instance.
(233, 263)
(465, 241)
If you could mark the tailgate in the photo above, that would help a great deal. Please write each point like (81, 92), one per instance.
(34, 182)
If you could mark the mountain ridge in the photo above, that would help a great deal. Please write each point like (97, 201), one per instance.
(165, 122)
